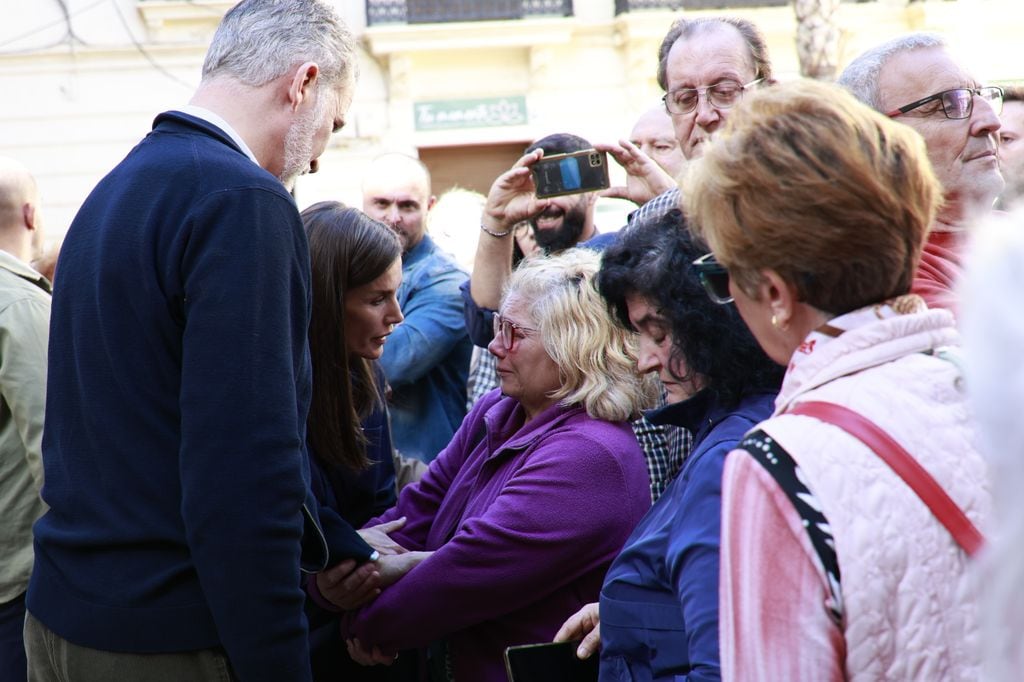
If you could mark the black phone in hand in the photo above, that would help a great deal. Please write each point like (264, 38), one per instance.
(549, 662)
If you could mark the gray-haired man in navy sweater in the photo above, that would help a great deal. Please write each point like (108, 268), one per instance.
(179, 379)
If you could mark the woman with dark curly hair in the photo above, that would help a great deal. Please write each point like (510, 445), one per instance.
(658, 614)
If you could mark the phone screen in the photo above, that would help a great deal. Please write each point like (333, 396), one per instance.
(584, 171)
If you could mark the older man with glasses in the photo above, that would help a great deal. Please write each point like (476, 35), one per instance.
(917, 81)
(704, 66)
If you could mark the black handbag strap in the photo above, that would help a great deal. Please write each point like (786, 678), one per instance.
(783, 468)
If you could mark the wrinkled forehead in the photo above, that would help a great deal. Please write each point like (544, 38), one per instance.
(516, 309)
(915, 74)
(1013, 116)
(711, 53)
(343, 92)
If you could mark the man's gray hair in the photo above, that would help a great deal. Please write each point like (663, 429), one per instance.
(861, 76)
(260, 40)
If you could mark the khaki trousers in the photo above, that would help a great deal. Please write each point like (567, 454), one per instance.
(52, 658)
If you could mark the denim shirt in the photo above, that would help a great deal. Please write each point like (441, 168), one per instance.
(426, 359)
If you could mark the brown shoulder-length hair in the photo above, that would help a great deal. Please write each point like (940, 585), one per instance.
(347, 249)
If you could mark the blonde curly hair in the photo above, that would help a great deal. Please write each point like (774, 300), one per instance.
(596, 358)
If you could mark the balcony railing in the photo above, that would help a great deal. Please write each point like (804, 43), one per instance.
(624, 6)
(440, 11)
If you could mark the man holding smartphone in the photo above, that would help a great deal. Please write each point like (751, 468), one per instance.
(558, 223)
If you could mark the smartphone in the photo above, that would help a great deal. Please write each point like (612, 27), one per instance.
(549, 662)
(558, 174)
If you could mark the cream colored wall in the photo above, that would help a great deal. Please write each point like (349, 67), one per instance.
(71, 111)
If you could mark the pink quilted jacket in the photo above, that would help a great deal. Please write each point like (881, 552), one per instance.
(909, 613)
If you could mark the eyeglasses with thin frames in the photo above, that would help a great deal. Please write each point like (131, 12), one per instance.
(957, 103)
(714, 277)
(505, 330)
(720, 95)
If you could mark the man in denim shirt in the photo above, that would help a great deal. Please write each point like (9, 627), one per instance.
(426, 359)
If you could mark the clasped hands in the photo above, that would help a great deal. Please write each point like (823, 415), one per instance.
(349, 586)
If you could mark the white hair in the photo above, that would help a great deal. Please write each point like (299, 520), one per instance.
(861, 76)
(260, 40)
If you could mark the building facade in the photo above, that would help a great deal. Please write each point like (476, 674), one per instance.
(463, 84)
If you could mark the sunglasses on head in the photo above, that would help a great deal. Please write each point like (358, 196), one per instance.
(714, 277)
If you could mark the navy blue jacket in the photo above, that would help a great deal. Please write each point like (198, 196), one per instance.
(179, 382)
(351, 499)
(659, 603)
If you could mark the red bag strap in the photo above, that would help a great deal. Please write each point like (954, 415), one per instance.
(903, 464)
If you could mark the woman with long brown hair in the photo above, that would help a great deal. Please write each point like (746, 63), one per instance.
(356, 269)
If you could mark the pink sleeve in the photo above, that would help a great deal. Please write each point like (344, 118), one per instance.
(774, 620)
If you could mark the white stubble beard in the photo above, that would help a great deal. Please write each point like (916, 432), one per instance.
(298, 142)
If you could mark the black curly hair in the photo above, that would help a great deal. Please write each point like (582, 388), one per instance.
(653, 260)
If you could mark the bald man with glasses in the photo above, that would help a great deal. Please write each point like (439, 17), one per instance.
(915, 80)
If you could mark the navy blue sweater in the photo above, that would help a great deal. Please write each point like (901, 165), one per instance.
(178, 388)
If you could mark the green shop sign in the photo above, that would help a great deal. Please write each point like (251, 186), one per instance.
(486, 112)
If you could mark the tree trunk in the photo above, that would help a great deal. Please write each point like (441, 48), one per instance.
(817, 37)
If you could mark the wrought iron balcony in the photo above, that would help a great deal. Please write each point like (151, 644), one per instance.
(623, 6)
(441, 11)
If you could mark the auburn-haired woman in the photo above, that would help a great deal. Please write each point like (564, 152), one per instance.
(833, 567)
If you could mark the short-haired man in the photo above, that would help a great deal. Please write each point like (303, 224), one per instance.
(179, 378)
(704, 67)
(916, 80)
(24, 331)
(561, 222)
(426, 359)
(558, 223)
(1011, 145)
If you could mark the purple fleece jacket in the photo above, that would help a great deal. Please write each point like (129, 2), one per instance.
(523, 521)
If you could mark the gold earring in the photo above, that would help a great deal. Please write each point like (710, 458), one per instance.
(775, 321)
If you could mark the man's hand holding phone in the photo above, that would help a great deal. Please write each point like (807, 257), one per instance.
(645, 179)
(511, 198)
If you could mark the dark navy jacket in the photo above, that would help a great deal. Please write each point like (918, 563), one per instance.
(659, 603)
(351, 499)
(179, 382)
